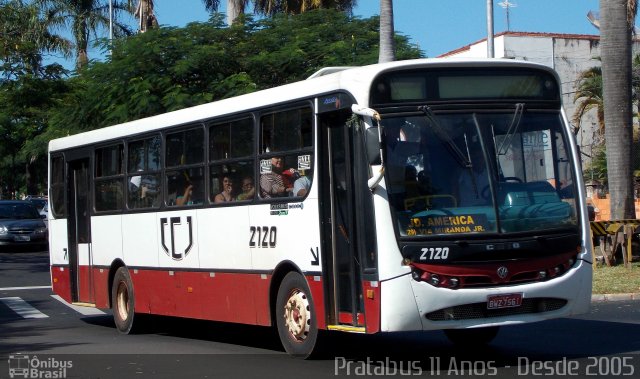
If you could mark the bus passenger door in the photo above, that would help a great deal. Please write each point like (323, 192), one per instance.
(341, 263)
(79, 231)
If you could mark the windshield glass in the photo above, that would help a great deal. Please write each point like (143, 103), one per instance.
(478, 172)
(18, 212)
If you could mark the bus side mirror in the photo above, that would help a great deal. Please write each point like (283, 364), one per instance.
(372, 142)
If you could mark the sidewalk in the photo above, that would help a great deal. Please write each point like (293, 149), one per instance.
(615, 297)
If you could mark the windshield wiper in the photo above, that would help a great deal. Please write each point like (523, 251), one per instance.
(444, 137)
(515, 124)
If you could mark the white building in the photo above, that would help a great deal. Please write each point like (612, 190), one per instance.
(568, 54)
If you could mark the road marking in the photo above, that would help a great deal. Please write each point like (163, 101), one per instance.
(22, 308)
(24, 288)
(86, 311)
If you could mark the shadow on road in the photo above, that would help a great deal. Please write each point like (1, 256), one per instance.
(544, 341)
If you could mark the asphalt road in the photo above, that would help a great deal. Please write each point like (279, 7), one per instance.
(60, 341)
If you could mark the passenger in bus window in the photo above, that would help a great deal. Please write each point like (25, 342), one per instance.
(227, 191)
(274, 184)
(301, 185)
(248, 189)
(185, 197)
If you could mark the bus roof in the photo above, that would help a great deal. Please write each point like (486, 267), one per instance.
(355, 80)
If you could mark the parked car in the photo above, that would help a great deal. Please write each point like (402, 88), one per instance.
(42, 205)
(21, 225)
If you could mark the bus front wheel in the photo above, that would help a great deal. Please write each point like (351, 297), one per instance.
(295, 316)
(122, 301)
(475, 336)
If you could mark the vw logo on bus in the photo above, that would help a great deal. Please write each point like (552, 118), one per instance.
(502, 272)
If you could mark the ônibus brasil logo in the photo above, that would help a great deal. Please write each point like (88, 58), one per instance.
(25, 366)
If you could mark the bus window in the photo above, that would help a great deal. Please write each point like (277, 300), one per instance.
(109, 178)
(57, 187)
(287, 130)
(232, 182)
(185, 187)
(230, 146)
(289, 174)
(285, 176)
(185, 148)
(231, 140)
(185, 153)
(483, 173)
(143, 168)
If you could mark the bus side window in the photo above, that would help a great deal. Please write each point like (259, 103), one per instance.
(184, 155)
(231, 150)
(109, 174)
(143, 181)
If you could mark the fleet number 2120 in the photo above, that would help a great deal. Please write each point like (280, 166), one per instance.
(434, 253)
(263, 236)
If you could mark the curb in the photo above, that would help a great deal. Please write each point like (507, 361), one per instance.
(615, 297)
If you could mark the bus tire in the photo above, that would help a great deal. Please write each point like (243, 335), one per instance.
(472, 337)
(123, 301)
(296, 317)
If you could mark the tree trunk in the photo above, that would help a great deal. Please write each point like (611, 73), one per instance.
(387, 41)
(234, 9)
(615, 45)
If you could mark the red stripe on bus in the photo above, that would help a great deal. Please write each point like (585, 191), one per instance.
(61, 282)
(229, 297)
(372, 306)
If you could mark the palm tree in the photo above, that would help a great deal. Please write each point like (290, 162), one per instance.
(616, 26)
(25, 36)
(271, 7)
(144, 12)
(84, 18)
(387, 41)
(588, 96)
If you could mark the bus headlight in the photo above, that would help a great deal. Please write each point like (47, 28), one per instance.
(3, 230)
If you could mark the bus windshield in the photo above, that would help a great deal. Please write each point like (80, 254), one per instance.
(505, 171)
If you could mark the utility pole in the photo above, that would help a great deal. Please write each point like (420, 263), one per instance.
(110, 21)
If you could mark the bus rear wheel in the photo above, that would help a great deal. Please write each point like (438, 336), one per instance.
(123, 301)
(295, 316)
(472, 337)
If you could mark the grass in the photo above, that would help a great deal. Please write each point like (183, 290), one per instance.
(616, 279)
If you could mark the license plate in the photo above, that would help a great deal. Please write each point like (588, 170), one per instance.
(510, 300)
(22, 238)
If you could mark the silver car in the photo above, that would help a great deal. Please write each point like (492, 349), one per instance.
(21, 225)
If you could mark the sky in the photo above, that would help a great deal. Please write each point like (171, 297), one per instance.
(436, 26)
(439, 26)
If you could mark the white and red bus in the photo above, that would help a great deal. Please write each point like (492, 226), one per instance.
(408, 196)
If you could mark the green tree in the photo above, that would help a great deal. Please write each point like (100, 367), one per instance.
(588, 97)
(28, 88)
(617, 20)
(272, 7)
(84, 19)
(167, 69)
(25, 37)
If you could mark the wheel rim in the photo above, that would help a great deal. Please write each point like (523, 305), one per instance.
(297, 315)
(122, 299)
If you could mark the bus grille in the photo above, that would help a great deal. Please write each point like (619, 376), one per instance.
(479, 310)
